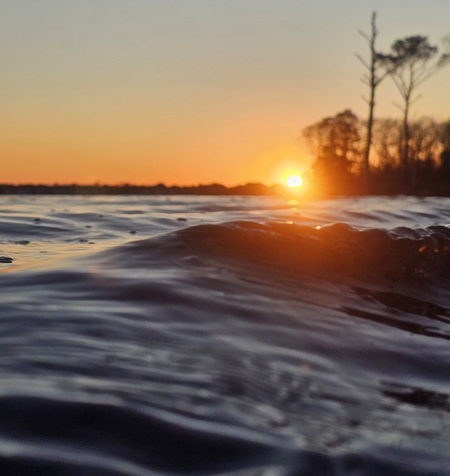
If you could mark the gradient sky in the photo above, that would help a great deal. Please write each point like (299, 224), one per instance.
(188, 91)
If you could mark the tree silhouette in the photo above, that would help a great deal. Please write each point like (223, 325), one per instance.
(410, 63)
(445, 154)
(372, 78)
(386, 140)
(334, 141)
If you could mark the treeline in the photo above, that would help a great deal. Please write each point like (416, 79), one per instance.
(128, 189)
(339, 143)
(386, 156)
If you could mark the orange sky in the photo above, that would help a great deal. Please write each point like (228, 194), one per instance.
(149, 91)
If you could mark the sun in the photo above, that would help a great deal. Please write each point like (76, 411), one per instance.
(294, 181)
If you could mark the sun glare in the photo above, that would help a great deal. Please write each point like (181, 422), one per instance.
(294, 181)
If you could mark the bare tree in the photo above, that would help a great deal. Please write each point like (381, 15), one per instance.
(372, 78)
(410, 64)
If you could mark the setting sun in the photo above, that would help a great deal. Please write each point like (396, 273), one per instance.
(294, 181)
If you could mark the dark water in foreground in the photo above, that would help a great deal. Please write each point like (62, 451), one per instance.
(218, 335)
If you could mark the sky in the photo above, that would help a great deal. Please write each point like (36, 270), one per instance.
(190, 91)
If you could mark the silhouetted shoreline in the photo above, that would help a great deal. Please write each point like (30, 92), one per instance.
(249, 189)
(128, 189)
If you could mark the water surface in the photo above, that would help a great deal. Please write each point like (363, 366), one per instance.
(224, 335)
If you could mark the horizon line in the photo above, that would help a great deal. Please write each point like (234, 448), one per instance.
(131, 184)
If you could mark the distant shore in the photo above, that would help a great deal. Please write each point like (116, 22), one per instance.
(249, 189)
(257, 189)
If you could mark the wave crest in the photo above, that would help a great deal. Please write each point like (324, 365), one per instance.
(333, 249)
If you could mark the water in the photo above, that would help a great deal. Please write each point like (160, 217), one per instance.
(224, 335)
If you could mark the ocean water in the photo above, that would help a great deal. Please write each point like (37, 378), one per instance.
(224, 335)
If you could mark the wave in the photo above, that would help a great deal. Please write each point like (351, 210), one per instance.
(163, 442)
(244, 347)
(53, 433)
(332, 250)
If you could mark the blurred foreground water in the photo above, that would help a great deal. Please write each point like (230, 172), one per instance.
(224, 335)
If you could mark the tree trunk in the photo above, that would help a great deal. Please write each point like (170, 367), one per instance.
(406, 136)
(373, 85)
(366, 171)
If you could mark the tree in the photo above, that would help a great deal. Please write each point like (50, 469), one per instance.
(444, 135)
(410, 63)
(444, 167)
(386, 142)
(374, 76)
(335, 143)
(424, 139)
